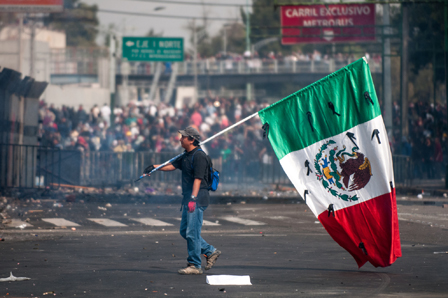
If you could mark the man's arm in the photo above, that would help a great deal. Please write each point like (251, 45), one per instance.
(168, 167)
(196, 187)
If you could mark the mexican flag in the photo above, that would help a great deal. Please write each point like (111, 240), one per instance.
(331, 141)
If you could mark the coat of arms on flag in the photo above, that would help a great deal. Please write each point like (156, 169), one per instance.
(331, 141)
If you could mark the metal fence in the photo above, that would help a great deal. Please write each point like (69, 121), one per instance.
(111, 168)
(403, 169)
(28, 166)
(219, 67)
(25, 166)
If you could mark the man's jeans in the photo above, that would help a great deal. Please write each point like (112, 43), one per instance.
(190, 230)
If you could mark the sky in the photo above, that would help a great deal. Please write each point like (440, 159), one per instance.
(131, 25)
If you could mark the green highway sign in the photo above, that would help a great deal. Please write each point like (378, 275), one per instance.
(153, 48)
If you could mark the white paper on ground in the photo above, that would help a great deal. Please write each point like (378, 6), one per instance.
(224, 280)
(14, 278)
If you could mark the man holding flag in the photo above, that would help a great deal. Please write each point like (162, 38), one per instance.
(194, 165)
(331, 141)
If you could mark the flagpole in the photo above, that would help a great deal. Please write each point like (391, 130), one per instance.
(202, 143)
(229, 128)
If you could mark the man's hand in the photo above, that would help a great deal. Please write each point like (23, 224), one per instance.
(148, 169)
(191, 206)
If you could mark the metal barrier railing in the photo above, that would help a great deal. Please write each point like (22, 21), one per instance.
(403, 169)
(112, 168)
(29, 166)
(219, 67)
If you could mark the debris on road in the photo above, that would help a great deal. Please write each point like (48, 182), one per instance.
(14, 278)
(440, 252)
(49, 293)
(108, 205)
(222, 280)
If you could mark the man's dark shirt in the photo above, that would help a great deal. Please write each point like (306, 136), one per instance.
(199, 170)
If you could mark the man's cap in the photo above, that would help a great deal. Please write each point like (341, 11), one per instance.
(191, 132)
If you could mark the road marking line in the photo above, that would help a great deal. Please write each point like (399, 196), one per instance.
(209, 223)
(246, 222)
(107, 222)
(279, 217)
(204, 222)
(60, 222)
(151, 222)
(14, 223)
(261, 235)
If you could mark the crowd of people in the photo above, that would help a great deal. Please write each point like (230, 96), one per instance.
(426, 140)
(153, 128)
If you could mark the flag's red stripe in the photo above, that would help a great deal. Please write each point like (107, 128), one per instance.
(374, 223)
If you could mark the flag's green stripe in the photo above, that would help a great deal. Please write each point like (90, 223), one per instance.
(289, 128)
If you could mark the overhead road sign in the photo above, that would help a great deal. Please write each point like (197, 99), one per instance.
(327, 23)
(32, 6)
(153, 48)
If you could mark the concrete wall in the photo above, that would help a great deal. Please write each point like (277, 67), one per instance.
(55, 39)
(9, 58)
(74, 96)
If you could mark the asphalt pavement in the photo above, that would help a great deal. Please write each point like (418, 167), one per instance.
(133, 249)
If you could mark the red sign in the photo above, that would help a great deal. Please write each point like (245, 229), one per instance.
(31, 6)
(327, 23)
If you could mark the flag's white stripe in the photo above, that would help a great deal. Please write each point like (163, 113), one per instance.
(379, 156)
(151, 222)
(107, 222)
(246, 222)
(60, 222)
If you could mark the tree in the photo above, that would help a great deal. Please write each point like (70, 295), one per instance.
(202, 37)
(265, 23)
(234, 34)
(79, 21)
(152, 33)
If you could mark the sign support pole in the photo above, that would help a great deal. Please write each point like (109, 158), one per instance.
(195, 61)
(387, 94)
(20, 54)
(112, 64)
(446, 76)
(32, 48)
(248, 85)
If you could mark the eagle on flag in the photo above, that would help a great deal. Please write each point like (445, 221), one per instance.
(331, 141)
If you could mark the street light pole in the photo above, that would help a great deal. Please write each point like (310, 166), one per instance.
(446, 76)
(32, 49)
(248, 85)
(20, 54)
(195, 62)
(225, 41)
(112, 64)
